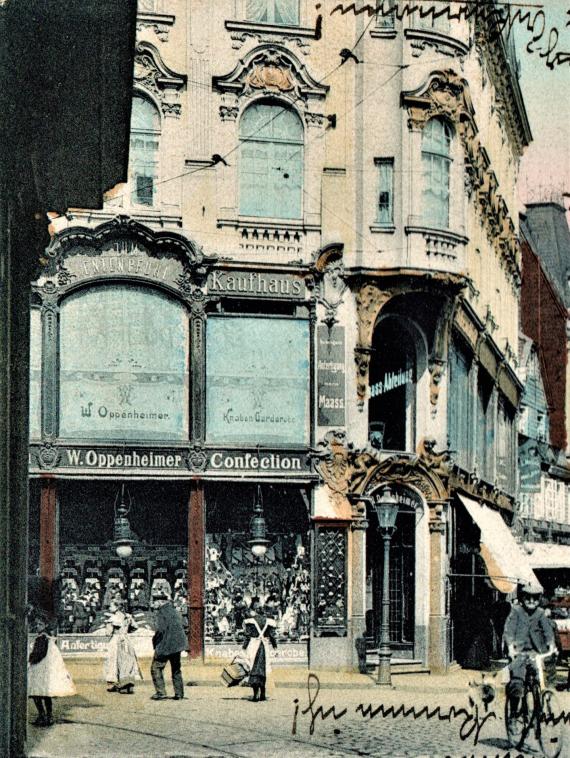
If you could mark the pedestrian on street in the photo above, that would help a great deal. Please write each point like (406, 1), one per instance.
(48, 676)
(258, 629)
(121, 664)
(168, 641)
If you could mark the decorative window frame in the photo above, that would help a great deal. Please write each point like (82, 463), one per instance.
(153, 76)
(446, 95)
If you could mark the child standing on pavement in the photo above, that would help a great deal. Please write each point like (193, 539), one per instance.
(48, 676)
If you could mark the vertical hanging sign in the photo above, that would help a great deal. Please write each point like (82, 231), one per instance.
(330, 376)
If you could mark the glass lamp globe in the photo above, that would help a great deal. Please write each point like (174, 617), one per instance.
(259, 549)
(124, 550)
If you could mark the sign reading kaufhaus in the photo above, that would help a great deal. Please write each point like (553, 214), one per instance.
(175, 460)
(256, 284)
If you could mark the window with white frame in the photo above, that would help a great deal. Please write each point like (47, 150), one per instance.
(271, 162)
(436, 168)
(385, 207)
(285, 12)
(143, 165)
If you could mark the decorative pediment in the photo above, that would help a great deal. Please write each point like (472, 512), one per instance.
(443, 94)
(122, 237)
(271, 69)
(369, 472)
(152, 73)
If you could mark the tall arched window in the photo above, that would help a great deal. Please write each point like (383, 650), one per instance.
(271, 162)
(143, 168)
(436, 165)
(273, 11)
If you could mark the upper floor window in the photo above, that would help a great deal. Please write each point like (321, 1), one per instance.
(143, 167)
(385, 17)
(436, 166)
(271, 162)
(385, 210)
(284, 12)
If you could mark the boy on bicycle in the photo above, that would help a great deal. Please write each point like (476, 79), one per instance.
(527, 630)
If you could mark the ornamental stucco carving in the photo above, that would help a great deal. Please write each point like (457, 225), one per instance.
(272, 69)
(446, 94)
(153, 75)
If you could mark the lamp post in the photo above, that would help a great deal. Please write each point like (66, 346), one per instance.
(122, 535)
(386, 507)
(258, 542)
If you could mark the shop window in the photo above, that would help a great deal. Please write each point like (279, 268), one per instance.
(271, 162)
(436, 166)
(459, 406)
(506, 441)
(485, 427)
(143, 167)
(120, 378)
(257, 380)
(35, 373)
(393, 376)
(385, 208)
(284, 12)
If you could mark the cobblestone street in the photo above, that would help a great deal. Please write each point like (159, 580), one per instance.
(214, 721)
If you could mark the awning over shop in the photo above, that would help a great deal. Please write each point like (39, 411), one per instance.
(545, 555)
(505, 560)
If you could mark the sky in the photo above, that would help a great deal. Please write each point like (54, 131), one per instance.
(545, 166)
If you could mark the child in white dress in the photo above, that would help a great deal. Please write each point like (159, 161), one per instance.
(48, 676)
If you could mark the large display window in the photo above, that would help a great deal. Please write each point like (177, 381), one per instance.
(257, 380)
(123, 365)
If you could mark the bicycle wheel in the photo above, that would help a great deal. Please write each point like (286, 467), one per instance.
(552, 727)
(516, 722)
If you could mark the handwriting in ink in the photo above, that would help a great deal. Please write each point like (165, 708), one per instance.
(500, 19)
(470, 725)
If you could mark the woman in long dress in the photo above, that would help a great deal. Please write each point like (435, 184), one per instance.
(48, 676)
(121, 664)
(259, 629)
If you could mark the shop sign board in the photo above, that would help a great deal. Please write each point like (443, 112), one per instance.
(330, 376)
(123, 459)
(288, 653)
(256, 284)
(97, 644)
(392, 380)
(123, 257)
(257, 381)
(529, 467)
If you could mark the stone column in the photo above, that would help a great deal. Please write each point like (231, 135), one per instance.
(196, 541)
(49, 543)
(357, 618)
(438, 619)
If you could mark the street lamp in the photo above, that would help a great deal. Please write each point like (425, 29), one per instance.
(386, 506)
(122, 534)
(258, 542)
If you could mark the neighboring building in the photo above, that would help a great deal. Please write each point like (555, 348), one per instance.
(306, 293)
(543, 470)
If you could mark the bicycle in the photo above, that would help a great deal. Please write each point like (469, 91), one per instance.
(537, 711)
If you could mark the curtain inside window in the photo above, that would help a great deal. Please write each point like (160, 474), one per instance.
(284, 12)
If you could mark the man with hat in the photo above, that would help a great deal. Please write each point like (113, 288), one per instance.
(169, 641)
(528, 631)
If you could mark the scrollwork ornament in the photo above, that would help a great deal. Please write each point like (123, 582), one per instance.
(196, 459)
(48, 456)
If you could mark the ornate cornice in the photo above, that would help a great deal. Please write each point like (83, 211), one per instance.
(446, 94)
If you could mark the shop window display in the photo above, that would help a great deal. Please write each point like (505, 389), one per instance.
(280, 579)
(88, 588)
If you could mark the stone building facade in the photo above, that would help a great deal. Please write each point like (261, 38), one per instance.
(306, 294)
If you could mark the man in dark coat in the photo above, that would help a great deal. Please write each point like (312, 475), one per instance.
(527, 631)
(168, 641)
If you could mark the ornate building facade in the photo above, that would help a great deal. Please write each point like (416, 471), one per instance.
(305, 296)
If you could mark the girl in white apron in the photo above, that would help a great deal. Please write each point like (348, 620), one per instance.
(259, 630)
